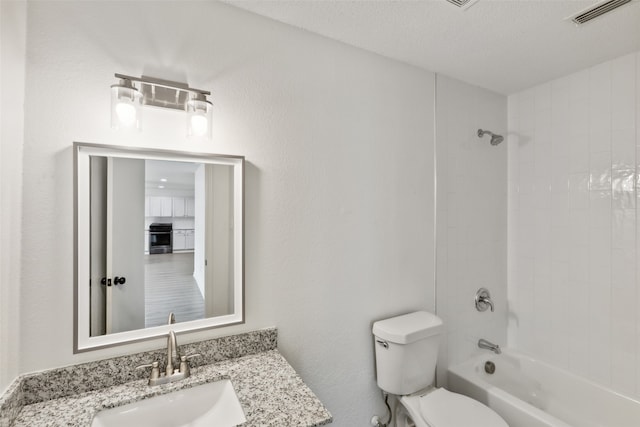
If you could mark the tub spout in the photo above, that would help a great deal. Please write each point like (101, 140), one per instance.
(482, 343)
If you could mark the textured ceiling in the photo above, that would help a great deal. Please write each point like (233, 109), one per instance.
(502, 45)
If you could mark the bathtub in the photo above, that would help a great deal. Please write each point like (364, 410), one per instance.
(529, 393)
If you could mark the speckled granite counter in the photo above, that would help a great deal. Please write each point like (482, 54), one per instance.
(270, 391)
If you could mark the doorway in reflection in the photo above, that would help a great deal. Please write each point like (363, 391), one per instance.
(170, 265)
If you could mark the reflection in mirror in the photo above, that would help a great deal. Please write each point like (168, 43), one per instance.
(164, 235)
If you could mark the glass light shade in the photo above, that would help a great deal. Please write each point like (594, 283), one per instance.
(199, 117)
(126, 103)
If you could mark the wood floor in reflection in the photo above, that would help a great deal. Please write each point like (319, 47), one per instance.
(171, 287)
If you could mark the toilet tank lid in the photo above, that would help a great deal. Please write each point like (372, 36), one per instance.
(408, 328)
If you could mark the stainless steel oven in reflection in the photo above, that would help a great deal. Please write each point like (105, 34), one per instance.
(161, 238)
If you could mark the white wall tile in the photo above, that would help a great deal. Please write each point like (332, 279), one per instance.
(589, 273)
(578, 191)
(559, 173)
(600, 98)
(579, 152)
(623, 85)
(600, 140)
(623, 144)
(526, 111)
(623, 371)
(577, 84)
(623, 293)
(600, 171)
(599, 250)
(623, 229)
(578, 335)
(560, 209)
(543, 96)
(560, 101)
(578, 229)
(637, 350)
(579, 264)
(638, 100)
(599, 210)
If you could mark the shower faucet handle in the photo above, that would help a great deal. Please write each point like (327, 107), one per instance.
(483, 300)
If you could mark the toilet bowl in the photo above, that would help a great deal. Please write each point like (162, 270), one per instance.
(406, 350)
(438, 407)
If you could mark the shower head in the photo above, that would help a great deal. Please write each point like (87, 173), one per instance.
(495, 139)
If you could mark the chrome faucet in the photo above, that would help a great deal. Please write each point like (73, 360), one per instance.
(171, 373)
(488, 345)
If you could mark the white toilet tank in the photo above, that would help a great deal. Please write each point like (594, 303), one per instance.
(407, 351)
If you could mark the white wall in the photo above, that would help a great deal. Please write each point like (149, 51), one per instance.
(471, 218)
(574, 292)
(339, 181)
(13, 17)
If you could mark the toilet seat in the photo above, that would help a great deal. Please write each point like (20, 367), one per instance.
(442, 408)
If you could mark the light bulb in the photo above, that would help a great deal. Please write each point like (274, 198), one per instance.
(126, 114)
(199, 116)
(199, 125)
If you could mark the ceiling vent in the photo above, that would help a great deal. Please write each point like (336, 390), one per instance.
(462, 4)
(596, 10)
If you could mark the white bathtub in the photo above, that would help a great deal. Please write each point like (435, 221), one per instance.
(530, 393)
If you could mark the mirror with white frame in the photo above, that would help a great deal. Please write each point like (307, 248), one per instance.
(159, 243)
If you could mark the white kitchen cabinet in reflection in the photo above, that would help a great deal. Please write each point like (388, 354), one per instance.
(183, 240)
(183, 206)
(158, 206)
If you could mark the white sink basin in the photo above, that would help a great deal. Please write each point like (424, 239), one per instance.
(211, 404)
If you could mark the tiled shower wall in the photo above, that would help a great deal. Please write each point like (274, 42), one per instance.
(471, 218)
(573, 255)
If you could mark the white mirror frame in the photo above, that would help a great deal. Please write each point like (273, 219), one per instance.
(82, 151)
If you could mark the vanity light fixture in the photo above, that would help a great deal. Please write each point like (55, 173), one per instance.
(131, 93)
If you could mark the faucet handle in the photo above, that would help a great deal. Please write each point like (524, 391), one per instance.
(483, 300)
(184, 364)
(148, 365)
(155, 370)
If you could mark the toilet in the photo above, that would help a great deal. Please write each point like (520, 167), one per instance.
(406, 354)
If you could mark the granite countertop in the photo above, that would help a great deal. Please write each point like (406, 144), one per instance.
(269, 389)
